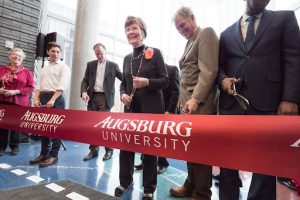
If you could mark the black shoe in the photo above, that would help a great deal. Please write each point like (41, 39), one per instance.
(139, 166)
(120, 190)
(288, 183)
(107, 155)
(90, 156)
(161, 169)
(216, 177)
(217, 180)
(147, 196)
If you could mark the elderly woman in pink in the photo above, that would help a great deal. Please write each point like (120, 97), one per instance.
(16, 84)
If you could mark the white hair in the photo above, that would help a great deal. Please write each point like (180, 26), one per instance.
(19, 50)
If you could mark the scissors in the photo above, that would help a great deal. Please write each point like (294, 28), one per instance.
(239, 98)
(131, 96)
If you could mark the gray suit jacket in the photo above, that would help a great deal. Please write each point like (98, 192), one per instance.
(112, 71)
(198, 70)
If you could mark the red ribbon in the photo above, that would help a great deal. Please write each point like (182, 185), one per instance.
(263, 144)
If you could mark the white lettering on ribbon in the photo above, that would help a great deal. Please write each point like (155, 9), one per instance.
(296, 144)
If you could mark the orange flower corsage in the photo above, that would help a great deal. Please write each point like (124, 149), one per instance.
(149, 53)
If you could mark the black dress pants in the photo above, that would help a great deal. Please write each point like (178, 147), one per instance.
(14, 136)
(98, 103)
(149, 170)
(262, 187)
(14, 139)
(51, 146)
(161, 161)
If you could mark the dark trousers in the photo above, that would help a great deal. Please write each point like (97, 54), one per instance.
(13, 140)
(161, 161)
(149, 170)
(199, 180)
(263, 187)
(98, 103)
(14, 136)
(51, 146)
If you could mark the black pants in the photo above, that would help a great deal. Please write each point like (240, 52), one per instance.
(161, 161)
(149, 170)
(14, 136)
(98, 103)
(262, 187)
(51, 146)
(13, 141)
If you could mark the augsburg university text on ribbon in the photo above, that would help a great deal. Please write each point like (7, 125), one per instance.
(262, 144)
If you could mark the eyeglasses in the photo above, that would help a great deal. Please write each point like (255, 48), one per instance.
(244, 103)
(132, 29)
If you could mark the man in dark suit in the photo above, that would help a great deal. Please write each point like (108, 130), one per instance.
(260, 55)
(98, 89)
(171, 96)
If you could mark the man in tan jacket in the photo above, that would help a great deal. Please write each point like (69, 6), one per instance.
(198, 69)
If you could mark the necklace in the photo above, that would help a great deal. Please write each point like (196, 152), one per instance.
(141, 62)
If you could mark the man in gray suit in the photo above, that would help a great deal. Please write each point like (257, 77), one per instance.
(98, 89)
(198, 67)
(260, 56)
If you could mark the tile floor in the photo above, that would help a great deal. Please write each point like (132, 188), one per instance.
(102, 176)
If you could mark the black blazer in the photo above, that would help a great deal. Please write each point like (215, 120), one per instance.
(171, 93)
(149, 98)
(112, 71)
(270, 69)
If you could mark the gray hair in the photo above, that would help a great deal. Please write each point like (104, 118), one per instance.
(19, 50)
(185, 12)
(99, 45)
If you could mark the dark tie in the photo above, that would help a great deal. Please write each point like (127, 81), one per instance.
(250, 32)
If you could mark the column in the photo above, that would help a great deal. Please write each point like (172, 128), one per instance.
(86, 35)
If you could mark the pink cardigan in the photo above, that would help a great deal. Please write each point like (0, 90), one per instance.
(24, 83)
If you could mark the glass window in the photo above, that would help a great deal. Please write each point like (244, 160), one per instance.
(108, 42)
(63, 8)
(122, 48)
(63, 28)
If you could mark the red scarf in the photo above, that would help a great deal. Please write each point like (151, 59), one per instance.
(11, 74)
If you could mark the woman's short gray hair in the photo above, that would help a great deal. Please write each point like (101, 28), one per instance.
(185, 12)
(19, 50)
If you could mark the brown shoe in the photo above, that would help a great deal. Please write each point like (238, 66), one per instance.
(180, 192)
(48, 162)
(37, 160)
